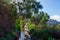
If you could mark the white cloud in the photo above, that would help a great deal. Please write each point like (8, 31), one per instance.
(55, 17)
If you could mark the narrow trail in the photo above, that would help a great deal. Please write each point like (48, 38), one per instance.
(25, 32)
(22, 36)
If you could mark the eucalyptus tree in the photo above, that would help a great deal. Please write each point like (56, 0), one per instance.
(27, 8)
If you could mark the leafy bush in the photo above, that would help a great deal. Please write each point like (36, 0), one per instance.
(12, 29)
(40, 35)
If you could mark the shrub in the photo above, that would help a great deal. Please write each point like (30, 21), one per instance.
(40, 35)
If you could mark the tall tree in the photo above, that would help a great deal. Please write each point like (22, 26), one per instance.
(28, 7)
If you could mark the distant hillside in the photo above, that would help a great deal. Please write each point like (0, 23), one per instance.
(53, 22)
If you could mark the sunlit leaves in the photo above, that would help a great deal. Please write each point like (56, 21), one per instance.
(31, 25)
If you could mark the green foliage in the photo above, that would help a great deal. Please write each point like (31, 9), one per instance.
(26, 10)
(50, 38)
(28, 7)
(40, 19)
(56, 27)
(43, 34)
(40, 35)
(11, 35)
(44, 17)
(8, 1)
(12, 10)
(17, 24)
(31, 26)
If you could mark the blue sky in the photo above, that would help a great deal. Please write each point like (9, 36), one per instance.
(52, 7)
